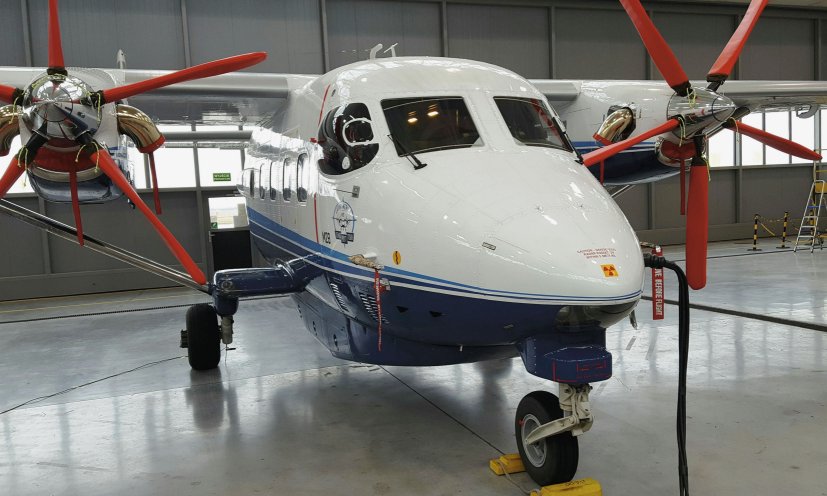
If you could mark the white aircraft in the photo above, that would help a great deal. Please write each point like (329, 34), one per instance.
(423, 211)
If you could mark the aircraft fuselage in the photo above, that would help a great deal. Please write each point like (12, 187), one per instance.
(502, 242)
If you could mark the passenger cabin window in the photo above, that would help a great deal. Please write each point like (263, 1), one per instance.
(422, 125)
(248, 182)
(531, 123)
(346, 138)
(252, 190)
(301, 179)
(287, 180)
(264, 180)
(274, 180)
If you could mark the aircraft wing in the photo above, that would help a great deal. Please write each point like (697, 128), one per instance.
(557, 90)
(756, 95)
(776, 95)
(229, 98)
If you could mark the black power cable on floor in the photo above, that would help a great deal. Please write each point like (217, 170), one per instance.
(41, 398)
(657, 262)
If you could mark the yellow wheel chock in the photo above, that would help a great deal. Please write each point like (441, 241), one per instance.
(512, 464)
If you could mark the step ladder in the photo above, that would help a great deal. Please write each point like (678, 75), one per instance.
(808, 232)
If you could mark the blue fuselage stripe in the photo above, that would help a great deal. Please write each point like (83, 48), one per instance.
(270, 231)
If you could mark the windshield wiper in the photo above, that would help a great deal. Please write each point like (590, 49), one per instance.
(417, 164)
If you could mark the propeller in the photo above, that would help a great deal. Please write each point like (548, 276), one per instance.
(661, 54)
(699, 118)
(55, 46)
(200, 71)
(56, 112)
(722, 67)
(773, 141)
(111, 169)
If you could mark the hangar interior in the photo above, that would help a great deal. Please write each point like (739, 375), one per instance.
(280, 415)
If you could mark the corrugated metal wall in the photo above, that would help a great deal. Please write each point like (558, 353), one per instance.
(562, 39)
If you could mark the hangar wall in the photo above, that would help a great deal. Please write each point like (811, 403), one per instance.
(539, 39)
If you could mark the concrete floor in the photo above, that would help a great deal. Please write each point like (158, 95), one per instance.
(281, 416)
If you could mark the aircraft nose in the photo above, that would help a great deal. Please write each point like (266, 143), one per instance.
(576, 252)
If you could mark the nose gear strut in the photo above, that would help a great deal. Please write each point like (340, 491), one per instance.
(574, 401)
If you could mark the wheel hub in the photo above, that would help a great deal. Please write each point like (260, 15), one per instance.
(535, 452)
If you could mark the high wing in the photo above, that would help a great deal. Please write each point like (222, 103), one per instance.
(776, 95)
(228, 98)
(755, 95)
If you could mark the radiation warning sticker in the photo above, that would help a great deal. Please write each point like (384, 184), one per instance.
(397, 258)
(609, 270)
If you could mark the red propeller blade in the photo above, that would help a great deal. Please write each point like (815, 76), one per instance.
(773, 141)
(7, 93)
(207, 69)
(108, 166)
(12, 174)
(602, 154)
(697, 224)
(660, 52)
(55, 48)
(722, 67)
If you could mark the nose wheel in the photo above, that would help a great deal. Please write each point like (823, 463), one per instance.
(550, 460)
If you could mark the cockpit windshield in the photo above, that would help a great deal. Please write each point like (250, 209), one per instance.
(531, 123)
(422, 125)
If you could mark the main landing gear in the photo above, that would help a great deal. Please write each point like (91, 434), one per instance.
(546, 428)
(203, 336)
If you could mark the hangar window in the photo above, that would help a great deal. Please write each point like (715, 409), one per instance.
(346, 138)
(422, 125)
(531, 123)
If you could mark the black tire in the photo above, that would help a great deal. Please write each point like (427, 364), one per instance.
(203, 337)
(552, 460)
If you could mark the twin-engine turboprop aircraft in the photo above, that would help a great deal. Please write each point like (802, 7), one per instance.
(423, 211)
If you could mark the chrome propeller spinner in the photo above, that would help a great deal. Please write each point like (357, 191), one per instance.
(701, 111)
(53, 108)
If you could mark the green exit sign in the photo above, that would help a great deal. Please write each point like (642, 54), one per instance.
(221, 176)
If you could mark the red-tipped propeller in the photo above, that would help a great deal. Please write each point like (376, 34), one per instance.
(85, 135)
(773, 141)
(697, 220)
(722, 67)
(108, 166)
(8, 93)
(200, 71)
(660, 52)
(55, 46)
(602, 154)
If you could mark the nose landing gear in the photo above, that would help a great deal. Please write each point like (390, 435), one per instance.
(546, 428)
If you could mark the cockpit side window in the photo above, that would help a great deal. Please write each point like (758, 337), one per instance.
(346, 137)
(531, 123)
(421, 125)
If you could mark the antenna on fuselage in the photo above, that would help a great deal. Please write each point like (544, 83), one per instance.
(120, 60)
(375, 50)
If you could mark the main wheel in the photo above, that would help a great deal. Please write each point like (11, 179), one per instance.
(203, 337)
(551, 460)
